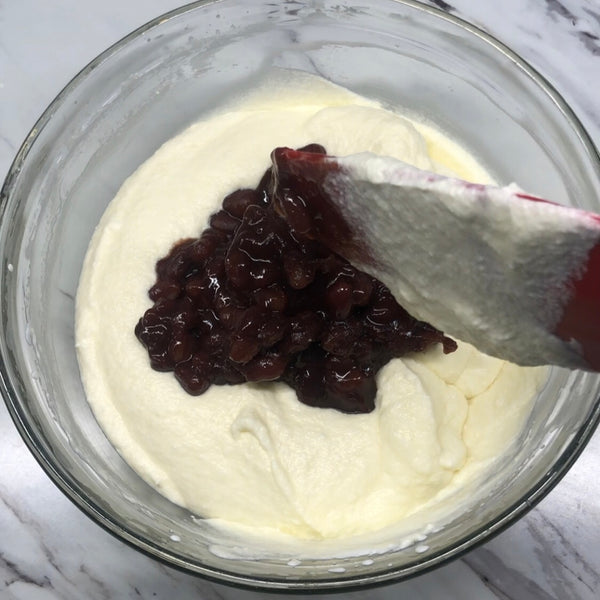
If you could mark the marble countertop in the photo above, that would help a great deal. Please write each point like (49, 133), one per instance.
(50, 550)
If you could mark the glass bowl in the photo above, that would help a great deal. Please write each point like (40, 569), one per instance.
(151, 85)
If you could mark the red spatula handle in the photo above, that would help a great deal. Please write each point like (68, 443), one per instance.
(580, 321)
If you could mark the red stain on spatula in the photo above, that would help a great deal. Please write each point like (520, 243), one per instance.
(580, 319)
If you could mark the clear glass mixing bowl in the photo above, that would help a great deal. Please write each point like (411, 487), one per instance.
(155, 82)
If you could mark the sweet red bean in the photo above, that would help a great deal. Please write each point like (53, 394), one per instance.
(223, 221)
(250, 301)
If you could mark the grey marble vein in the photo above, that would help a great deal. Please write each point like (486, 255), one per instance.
(561, 9)
(586, 37)
(443, 5)
(567, 556)
(7, 143)
(505, 582)
(593, 14)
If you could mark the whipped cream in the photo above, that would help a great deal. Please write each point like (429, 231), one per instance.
(251, 454)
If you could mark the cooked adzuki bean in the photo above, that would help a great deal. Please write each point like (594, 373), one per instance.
(251, 301)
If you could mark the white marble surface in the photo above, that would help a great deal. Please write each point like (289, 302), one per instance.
(49, 550)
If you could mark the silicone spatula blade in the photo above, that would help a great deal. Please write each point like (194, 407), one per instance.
(511, 273)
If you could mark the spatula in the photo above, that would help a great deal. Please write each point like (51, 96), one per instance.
(511, 273)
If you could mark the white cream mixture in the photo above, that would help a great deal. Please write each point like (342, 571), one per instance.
(252, 454)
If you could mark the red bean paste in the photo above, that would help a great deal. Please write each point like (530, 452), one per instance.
(250, 301)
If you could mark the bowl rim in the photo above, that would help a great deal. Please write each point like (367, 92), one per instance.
(66, 484)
